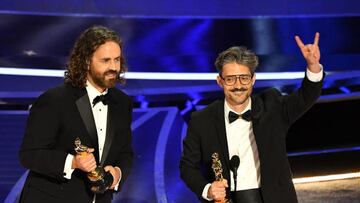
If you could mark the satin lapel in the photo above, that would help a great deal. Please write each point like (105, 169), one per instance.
(110, 127)
(257, 109)
(221, 131)
(84, 108)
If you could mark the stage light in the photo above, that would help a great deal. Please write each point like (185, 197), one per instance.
(29, 52)
(326, 178)
(151, 75)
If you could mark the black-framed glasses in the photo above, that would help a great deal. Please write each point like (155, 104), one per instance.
(244, 79)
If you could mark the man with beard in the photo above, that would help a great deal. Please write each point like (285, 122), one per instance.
(250, 127)
(89, 107)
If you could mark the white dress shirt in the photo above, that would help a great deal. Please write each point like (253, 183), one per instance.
(241, 142)
(100, 112)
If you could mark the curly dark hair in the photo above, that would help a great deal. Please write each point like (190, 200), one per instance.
(83, 50)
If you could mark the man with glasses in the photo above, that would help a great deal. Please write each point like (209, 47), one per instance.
(251, 127)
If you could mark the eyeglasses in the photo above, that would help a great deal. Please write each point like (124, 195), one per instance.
(231, 79)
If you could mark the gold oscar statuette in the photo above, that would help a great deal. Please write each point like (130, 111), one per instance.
(217, 168)
(99, 180)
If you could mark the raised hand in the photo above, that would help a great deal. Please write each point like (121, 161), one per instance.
(311, 53)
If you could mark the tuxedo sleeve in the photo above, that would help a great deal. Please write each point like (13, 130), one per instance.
(297, 103)
(37, 151)
(190, 163)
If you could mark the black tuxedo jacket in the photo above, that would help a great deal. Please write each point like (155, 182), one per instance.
(273, 114)
(56, 119)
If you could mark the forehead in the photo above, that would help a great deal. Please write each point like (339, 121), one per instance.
(108, 49)
(235, 69)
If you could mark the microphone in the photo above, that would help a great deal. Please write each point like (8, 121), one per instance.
(234, 165)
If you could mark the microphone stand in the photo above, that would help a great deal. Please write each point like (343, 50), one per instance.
(234, 163)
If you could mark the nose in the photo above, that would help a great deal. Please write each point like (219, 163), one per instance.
(113, 65)
(237, 82)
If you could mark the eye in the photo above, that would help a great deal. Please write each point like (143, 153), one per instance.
(229, 79)
(106, 60)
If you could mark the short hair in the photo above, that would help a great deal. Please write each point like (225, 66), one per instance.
(238, 54)
(83, 50)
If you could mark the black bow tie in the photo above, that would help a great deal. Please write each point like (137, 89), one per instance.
(233, 116)
(101, 98)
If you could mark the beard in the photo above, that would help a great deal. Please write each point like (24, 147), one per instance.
(101, 81)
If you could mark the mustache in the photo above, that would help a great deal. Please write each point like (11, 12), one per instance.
(111, 72)
(242, 89)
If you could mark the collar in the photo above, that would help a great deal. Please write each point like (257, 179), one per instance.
(227, 109)
(93, 92)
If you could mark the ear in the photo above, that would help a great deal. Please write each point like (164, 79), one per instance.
(219, 81)
(253, 79)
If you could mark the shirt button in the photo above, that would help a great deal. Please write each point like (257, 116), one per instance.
(100, 129)
(99, 109)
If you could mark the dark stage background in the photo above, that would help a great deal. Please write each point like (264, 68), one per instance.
(180, 37)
